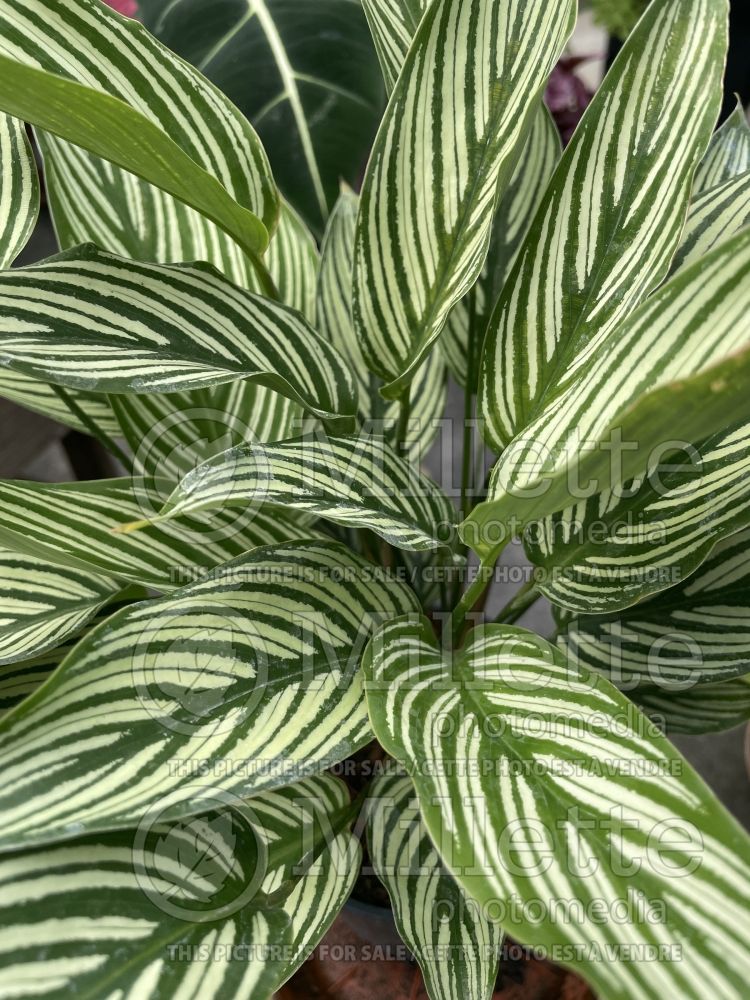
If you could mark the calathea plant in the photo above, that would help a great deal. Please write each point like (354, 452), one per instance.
(191, 651)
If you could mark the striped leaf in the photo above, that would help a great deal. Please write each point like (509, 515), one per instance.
(393, 24)
(92, 201)
(334, 320)
(702, 708)
(69, 66)
(91, 320)
(19, 679)
(612, 215)
(316, 96)
(171, 433)
(456, 947)
(73, 525)
(41, 398)
(715, 215)
(41, 604)
(159, 912)
(728, 153)
(246, 681)
(19, 190)
(359, 482)
(694, 633)
(513, 217)
(638, 538)
(541, 785)
(672, 373)
(444, 154)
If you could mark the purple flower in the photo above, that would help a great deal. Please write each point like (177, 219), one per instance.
(127, 7)
(567, 96)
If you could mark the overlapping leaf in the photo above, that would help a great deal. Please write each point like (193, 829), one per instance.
(334, 320)
(673, 373)
(245, 681)
(162, 913)
(19, 190)
(91, 320)
(715, 215)
(393, 24)
(612, 215)
(456, 946)
(41, 604)
(458, 114)
(701, 708)
(636, 539)
(728, 153)
(359, 482)
(41, 398)
(176, 130)
(19, 679)
(316, 96)
(695, 632)
(547, 788)
(74, 525)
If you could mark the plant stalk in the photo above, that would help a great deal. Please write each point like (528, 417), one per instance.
(521, 602)
(96, 432)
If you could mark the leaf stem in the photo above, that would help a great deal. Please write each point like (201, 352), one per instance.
(521, 602)
(264, 276)
(96, 432)
(403, 419)
(471, 597)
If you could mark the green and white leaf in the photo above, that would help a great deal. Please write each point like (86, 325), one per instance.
(715, 215)
(638, 538)
(93, 321)
(316, 97)
(76, 525)
(245, 681)
(177, 130)
(671, 374)
(513, 216)
(444, 154)
(359, 482)
(334, 320)
(41, 398)
(456, 947)
(393, 24)
(728, 153)
(19, 190)
(547, 787)
(113, 905)
(702, 708)
(171, 433)
(41, 603)
(695, 632)
(612, 216)
(19, 679)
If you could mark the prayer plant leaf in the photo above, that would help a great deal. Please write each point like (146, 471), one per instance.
(393, 24)
(445, 152)
(456, 946)
(90, 320)
(638, 538)
(84, 73)
(672, 374)
(612, 216)
(358, 482)
(699, 709)
(19, 190)
(42, 603)
(728, 153)
(715, 215)
(76, 525)
(554, 801)
(25, 390)
(316, 96)
(694, 633)
(245, 681)
(334, 320)
(175, 906)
